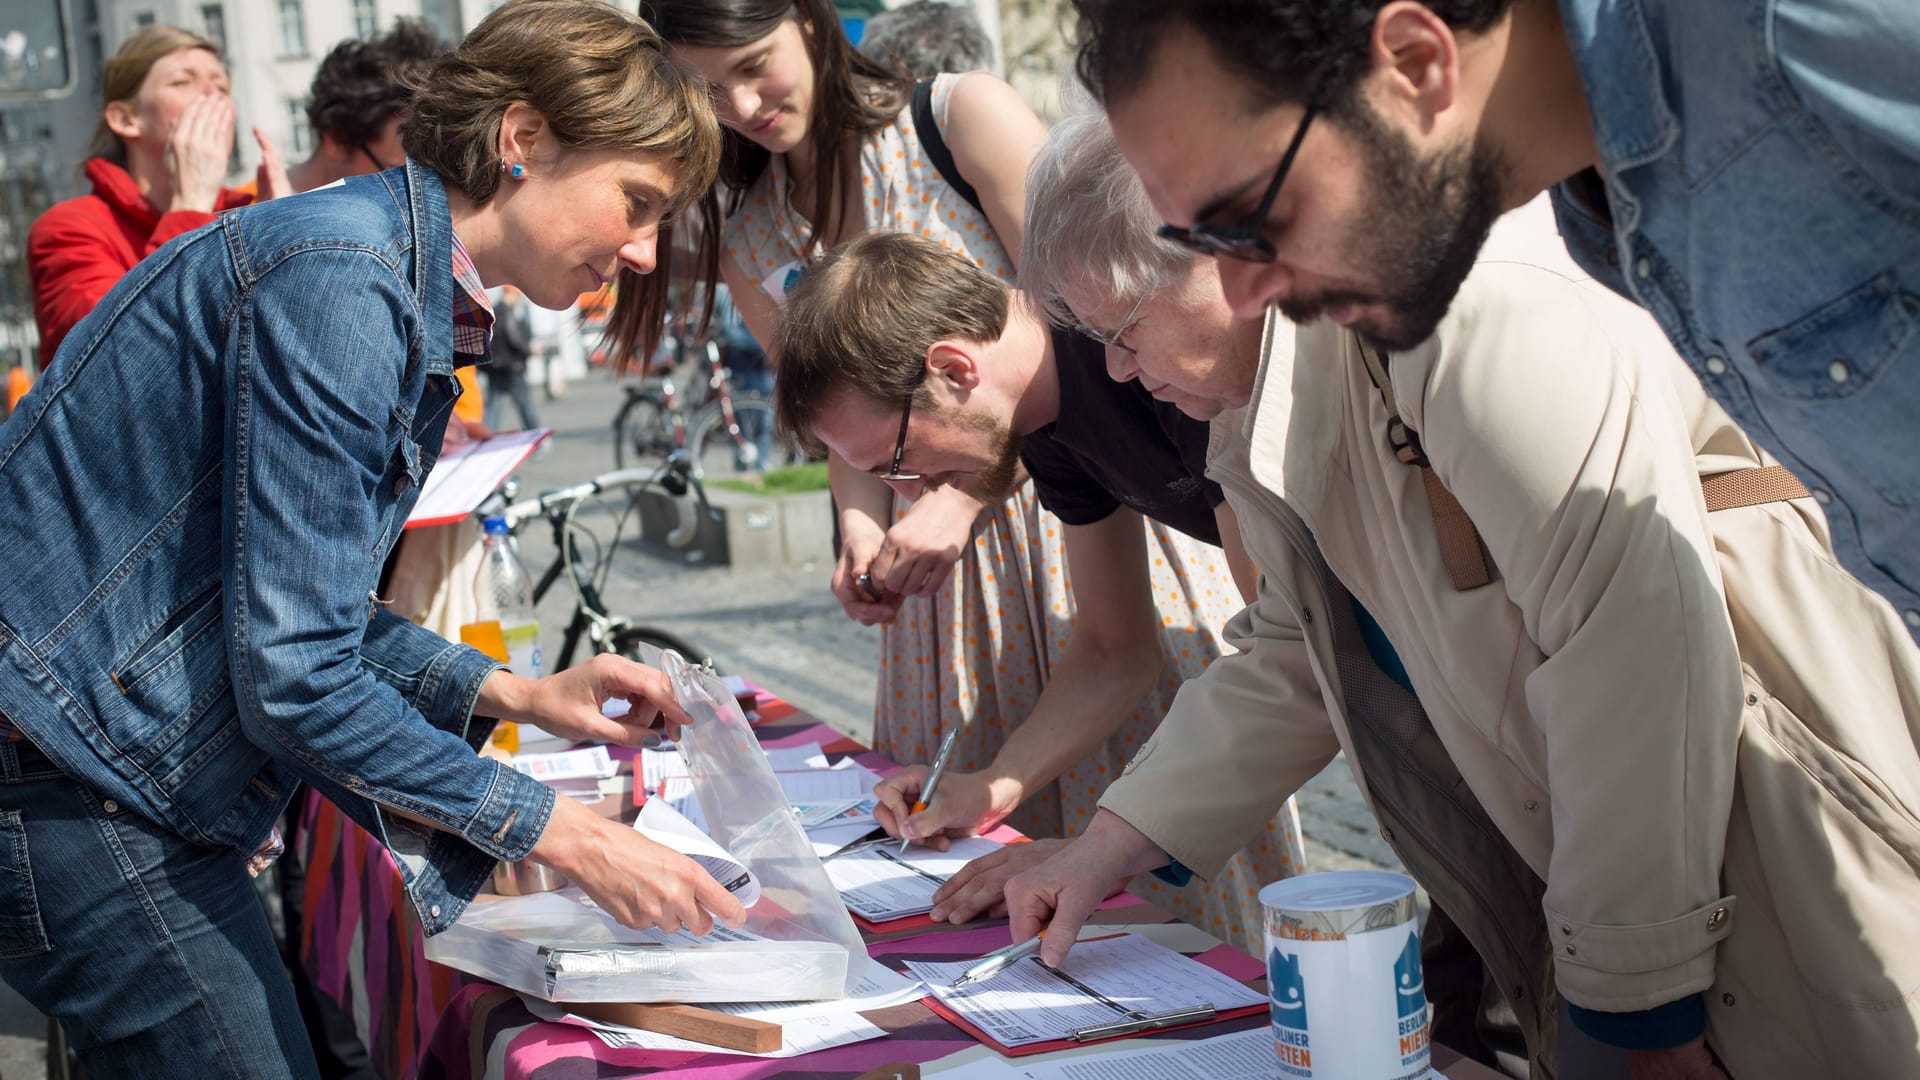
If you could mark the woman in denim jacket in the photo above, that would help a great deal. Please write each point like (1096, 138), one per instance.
(196, 501)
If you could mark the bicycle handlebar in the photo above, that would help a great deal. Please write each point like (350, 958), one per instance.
(674, 477)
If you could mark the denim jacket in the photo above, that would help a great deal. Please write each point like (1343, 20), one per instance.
(1761, 198)
(195, 502)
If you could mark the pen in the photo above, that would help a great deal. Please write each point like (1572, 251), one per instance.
(933, 779)
(997, 961)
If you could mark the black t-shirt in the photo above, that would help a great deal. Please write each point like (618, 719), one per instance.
(1116, 445)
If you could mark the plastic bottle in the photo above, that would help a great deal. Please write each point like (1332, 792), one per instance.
(508, 629)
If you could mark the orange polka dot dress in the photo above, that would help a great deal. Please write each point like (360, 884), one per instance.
(977, 653)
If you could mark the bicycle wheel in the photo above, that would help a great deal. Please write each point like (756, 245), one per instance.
(643, 644)
(743, 446)
(641, 431)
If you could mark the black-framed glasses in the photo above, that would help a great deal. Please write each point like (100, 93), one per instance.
(900, 445)
(1244, 240)
(1112, 341)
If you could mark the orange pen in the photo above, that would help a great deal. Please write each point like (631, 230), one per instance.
(933, 779)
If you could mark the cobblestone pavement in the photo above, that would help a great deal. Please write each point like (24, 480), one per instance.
(780, 628)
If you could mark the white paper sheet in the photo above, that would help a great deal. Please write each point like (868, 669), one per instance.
(1243, 1055)
(810, 785)
(806, 1026)
(795, 758)
(661, 823)
(813, 813)
(880, 883)
(468, 473)
(1028, 1003)
(663, 767)
(535, 916)
(592, 763)
(850, 827)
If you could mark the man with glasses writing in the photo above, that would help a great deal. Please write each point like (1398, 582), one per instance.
(923, 370)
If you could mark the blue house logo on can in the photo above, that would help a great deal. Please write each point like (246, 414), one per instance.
(1410, 990)
(1287, 993)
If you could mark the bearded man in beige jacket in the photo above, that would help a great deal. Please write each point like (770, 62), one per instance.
(1639, 662)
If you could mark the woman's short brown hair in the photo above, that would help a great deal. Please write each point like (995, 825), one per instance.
(602, 80)
(126, 69)
(865, 317)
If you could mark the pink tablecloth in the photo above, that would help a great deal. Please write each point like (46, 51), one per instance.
(420, 1019)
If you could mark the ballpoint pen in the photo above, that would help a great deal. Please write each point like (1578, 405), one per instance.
(998, 961)
(933, 778)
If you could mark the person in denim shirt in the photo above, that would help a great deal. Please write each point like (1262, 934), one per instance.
(1746, 170)
(197, 499)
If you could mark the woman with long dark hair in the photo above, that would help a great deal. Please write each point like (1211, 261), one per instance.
(822, 145)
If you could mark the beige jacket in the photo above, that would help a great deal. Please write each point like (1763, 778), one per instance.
(1696, 729)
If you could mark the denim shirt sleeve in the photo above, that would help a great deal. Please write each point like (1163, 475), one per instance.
(338, 695)
(440, 679)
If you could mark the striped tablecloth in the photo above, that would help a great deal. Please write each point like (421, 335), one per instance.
(419, 1019)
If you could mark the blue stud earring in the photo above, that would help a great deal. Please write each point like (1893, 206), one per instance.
(518, 171)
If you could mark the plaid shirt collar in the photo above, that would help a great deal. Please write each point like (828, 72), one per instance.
(472, 311)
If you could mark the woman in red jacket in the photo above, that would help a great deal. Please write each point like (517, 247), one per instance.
(159, 156)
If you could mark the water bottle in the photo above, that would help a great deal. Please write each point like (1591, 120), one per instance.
(504, 589)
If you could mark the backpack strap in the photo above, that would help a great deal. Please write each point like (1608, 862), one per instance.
(1460, 548)
(928, 129)
(1751, 487)
(1466, 558)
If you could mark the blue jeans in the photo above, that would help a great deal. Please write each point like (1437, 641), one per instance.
(153, 953)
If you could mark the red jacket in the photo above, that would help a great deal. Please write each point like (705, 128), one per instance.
(78, 249)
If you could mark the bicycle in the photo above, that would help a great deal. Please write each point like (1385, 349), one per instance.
(731, 432)
(591, 622)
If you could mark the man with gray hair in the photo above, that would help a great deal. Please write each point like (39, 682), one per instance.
(1091, 258)
(928, 37)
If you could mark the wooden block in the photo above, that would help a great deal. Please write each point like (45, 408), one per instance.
(687, 1022)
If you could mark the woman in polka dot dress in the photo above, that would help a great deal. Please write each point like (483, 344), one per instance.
(973, 598)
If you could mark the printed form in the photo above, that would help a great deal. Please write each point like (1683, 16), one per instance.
(1102, 981)
(880, 883)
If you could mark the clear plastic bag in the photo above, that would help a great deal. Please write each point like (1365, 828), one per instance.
(799, 942)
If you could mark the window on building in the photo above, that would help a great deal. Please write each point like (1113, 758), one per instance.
(142, 19)
(301, 144)
(293, 29)
(213, 23)
(366, 18)
(444, 17)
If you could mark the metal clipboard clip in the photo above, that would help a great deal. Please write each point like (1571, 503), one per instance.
(1138, 1021)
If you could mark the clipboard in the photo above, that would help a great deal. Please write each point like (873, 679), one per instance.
(941, 1009)
(464, 476)
(922, 921)
(1118, 898)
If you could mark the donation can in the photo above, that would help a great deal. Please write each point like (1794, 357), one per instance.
(1343, 977)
